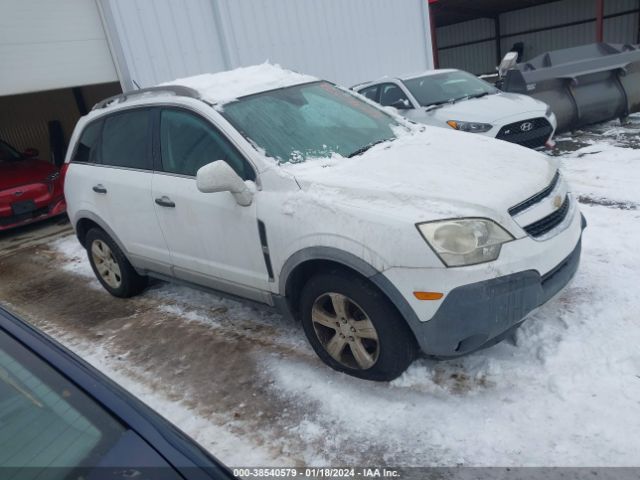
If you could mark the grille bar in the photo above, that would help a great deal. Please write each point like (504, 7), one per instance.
(545, 224)
(538, 197)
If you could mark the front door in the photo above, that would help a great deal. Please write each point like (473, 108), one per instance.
(213, 240)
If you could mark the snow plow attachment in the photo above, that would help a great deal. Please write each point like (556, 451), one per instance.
(583, 85)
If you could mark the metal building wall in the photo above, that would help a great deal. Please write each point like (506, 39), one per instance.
(346, 41)
(616, 30)
(482, 57)
(476, 58)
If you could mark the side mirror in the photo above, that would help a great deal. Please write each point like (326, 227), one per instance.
(218, 176)
(401, 104)
(509, 61)
(30, 153)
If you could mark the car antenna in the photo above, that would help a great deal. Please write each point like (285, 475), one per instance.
(136, 84)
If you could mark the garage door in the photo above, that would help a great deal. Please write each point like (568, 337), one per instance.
(47, 44)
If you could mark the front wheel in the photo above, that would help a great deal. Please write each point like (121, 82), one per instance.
(354, 328)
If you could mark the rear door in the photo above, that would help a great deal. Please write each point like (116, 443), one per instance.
(213, 240)
(116, 182)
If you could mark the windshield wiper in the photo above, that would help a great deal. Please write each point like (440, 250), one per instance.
(456, 100)
(361, 150)
(479, 95)
(434, 106)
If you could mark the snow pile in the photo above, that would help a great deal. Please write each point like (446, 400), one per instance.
(594, 169)
(224, 87)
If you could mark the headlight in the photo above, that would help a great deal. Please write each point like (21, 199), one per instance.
(53, 177)
(465, 241)
(471, 127)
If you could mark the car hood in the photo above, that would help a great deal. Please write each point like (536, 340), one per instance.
(491, 108)
(429, 174)
(22, 172)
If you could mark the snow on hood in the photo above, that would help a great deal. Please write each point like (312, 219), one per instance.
(225, 87)
(434, 172)
(491, 108)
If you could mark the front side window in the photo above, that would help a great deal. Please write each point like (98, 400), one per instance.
(446, 87)
(45, 420)
(189, 142)
(391, 95)
(125, 140)
(87, 148)
(310, 120)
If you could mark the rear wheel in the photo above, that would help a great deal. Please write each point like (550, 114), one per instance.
(111, 267)
(354, 328)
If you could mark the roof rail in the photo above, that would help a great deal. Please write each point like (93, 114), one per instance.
(178, 90)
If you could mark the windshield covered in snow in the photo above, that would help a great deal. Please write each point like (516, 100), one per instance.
(446, 87)
(308, 121)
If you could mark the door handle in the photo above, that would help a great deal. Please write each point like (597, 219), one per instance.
(165, 202)
(100, 189)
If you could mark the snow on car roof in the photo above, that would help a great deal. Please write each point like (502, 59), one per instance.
(224, 87)
(428, 72)
(387, 78)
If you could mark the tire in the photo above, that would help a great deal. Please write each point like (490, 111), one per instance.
(381, 354)
(111, 267)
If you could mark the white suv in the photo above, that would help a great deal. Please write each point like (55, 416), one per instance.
(456, 99)
(383, 237)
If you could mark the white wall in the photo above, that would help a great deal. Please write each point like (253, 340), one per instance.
(346, 41)
(47, 44)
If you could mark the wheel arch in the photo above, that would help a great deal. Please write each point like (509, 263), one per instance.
(86, 220)
(304, 263)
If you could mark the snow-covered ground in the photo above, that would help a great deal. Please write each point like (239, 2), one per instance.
(564, 392)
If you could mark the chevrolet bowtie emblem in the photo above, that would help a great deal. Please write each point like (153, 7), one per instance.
(557, 201)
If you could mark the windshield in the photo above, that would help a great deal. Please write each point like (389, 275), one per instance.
(447, 87)
(310, 120)
(7, 153)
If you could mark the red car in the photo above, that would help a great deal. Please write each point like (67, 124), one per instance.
(30, 189)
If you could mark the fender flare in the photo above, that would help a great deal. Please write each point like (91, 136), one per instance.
(355, 263)
(88, 215)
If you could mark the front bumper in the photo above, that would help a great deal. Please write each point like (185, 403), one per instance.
(480, 311)
(474, 315)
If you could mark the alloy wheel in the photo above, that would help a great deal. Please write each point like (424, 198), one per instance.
(345, 331)
(106, 264)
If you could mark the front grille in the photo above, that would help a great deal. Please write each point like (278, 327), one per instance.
(10, 220)
(538, 197)
(545, 224)
(532, 133)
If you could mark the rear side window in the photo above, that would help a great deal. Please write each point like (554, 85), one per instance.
(125, 140)
(189, 142)
(87, 149)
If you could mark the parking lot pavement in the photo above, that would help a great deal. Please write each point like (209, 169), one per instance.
(242, 380)
(12, 241)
